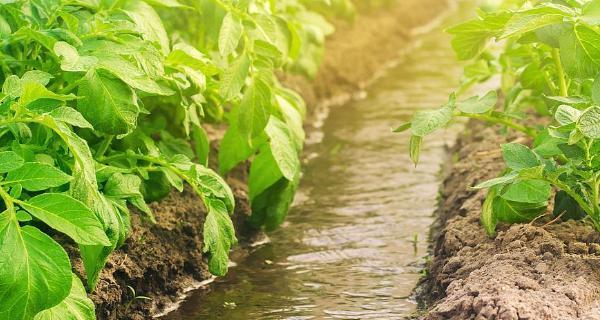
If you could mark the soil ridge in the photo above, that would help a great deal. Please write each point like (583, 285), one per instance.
(160, 261)
(541, 270)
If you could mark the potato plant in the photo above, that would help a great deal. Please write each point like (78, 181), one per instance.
(102, 109)
(547, 58)
(253, 40)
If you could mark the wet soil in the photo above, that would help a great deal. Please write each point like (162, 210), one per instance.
(160, 261)
(352, 246)
(541, 270)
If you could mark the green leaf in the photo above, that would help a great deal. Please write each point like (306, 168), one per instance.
(572, 152)
(267, 30)
(517, 212)
(168, 3)
(552, 34)
(403, 127)
(234, 77)
(469, 38)
(488, 218)
(546, 145)
(596, 90)
(415, 148)
(518, 156)
(267, 50)
(148, 23)
(156, 187)
(254, 109)
(201, 144)
(527, 191)
(526, 21)
(271, 207)
(23, 216)
(70, 116)
(42, 37)
(573, 100)
(186, 55)
(94, 257)
(426, 122)
(84, 188)
(479, 105)
(566, 115)
(282, 148)
(591, 12)
(589, 123)
(173, 178)
(33, 91)
(12, 87)
(532, 78)
(10, 161)
(567, 207)
(580, 52)
(107, 103)
(264, 173)
(230, 34)
(534, 173)
(502, 180)
(35, 272)
(575, 136)
(294, 121)
(5, 29)
(37, 176)
(77, 306)
(127, 187)
(71, 60)
(130, 74)
(69, 216)
(37, 76)
(219, 236)
(212, 184)
(122, 186)
(234, 149)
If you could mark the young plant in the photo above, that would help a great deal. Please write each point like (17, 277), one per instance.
(98, 109)
(549, 69)
(255, 39)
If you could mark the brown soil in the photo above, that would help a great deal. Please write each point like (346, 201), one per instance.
(161, 260)
(528, 271)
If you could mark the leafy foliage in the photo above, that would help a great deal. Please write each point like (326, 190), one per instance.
(101, 110)
(546, 54)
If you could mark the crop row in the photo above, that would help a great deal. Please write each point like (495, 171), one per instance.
(547, 57)
(102, 109)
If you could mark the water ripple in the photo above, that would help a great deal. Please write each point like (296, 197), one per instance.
(354, 242)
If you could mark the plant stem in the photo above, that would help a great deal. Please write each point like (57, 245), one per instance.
(8, 201)
(595, 196)
(585, 206)
(104, 146)
(159, 162)
(564, 91)
(70, 87)
(489, 118)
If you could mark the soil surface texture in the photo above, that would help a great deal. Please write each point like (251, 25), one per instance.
(542, 270)
(160, 261)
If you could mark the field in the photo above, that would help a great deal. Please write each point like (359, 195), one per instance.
(149, 148)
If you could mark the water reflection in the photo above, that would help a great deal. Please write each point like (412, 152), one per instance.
(354, 243)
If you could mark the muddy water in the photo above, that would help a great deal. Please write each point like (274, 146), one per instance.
(355, 241)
